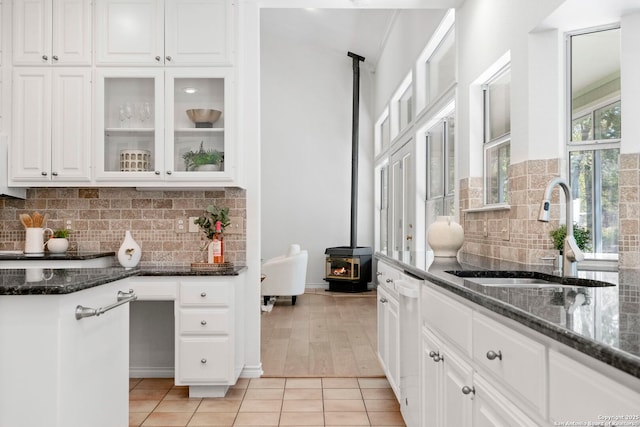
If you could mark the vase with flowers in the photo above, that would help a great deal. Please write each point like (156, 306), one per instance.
(213, 222)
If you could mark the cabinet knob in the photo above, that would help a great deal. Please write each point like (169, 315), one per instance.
(158, 58)
(204, 294)
(54, 173)
(379, 273)
(383, 300)
(409, 237)
(55, 57)
(157, 172)
(492, 355)
(203, 322)
(43, 173)
(45, 57)
(203, 360)
(468, 390)
(168, 58)
(168, 172)
(389, 280)
(435, 356)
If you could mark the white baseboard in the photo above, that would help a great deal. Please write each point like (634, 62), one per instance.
(151, 372)
(252, 371)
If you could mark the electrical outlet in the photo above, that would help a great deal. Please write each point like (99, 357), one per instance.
(235, 227)
(68, 224)
(193, 228)
(180, 225)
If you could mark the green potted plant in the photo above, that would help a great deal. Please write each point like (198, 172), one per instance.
(581, 234)
(207, 221)
(58, 243)
(202, 159)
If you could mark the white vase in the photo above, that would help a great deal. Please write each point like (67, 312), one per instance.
(445, 237)
(129, 253)
(57, 245)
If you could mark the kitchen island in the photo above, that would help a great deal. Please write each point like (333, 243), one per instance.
(58, 368)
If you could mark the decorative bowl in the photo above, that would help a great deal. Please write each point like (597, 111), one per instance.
(203, 117)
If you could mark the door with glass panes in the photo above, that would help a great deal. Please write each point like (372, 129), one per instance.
(402, 198)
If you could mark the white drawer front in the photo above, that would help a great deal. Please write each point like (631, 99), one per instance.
(213, 321)
(205, 360)
(512, 358)
(154, 291)
(449, 317)
(214, 294)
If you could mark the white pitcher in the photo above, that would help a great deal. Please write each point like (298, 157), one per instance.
(34, 240)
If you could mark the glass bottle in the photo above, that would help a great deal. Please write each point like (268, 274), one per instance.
(216, 247)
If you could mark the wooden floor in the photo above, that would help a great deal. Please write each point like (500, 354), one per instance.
(323, 335)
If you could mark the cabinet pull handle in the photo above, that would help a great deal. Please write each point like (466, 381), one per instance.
(203, 294)
(43, 173)
(168, 172)
(168, 58)
(158, 58)
(45, 57)
(203, 322)
(468, 390)
(409, 237)
(383, 300)
(492, 355)
(157, 172)
(435, 356)
(55, 57)
(54, 173)
(203, 360)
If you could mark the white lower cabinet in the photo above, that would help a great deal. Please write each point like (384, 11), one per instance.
(492, 409)
(389, 337)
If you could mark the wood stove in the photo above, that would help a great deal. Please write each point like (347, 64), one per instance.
(348, 268)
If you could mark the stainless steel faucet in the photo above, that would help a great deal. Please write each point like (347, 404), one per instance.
(571, 253)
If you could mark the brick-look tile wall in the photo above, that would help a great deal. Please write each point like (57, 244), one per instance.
(629, 211)
(513, 234)
(102, 215)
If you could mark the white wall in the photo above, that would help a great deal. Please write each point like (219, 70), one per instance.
(306, 148)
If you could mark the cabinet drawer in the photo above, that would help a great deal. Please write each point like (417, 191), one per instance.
(205, 360)
(515, 359)
(450, 318)
(215, 321)
(154, 291)
(206, 293)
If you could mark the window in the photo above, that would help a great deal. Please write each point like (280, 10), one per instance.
(383, 208)
(594, 135)
(441, 67)
(440, 169)
(497, 136)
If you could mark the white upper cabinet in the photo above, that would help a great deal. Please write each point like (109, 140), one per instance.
(50, 32)
(51, 125)
(163, 33)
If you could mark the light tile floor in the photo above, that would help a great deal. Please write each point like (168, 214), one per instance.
(267, 402)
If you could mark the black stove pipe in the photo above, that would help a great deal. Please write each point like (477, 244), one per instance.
(355, 127)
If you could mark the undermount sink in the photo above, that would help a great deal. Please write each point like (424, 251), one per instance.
(524, 279)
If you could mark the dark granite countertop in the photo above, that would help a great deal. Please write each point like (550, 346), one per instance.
(47, 281)
(68, 255)
(604, 322)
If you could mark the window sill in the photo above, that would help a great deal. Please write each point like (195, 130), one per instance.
(489, 208)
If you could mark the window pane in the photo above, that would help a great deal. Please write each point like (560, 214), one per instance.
(581, 129)
(406, 108)
(435, 156)
(499, 106)
(384, 203)
(450, 146)
(608, 120)
(496, 174)
(385, 134)
(441, 67)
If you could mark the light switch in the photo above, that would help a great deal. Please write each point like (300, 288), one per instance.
(236, 226)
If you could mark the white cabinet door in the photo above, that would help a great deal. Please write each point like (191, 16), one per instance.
(402, 199)
(492, 409)
(456, 375)
(49, 32)
(431, 364)
(205, 360)
(156, 32)
(389, 337)
(51, 125)
(130, 32)
(197, 32)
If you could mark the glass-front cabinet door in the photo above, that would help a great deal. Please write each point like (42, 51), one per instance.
(164, 126)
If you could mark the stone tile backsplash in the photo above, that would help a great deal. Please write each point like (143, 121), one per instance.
(102, 215)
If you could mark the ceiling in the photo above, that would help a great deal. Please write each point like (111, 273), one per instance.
(361, 31)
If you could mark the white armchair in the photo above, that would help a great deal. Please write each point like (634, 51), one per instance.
(285, 275)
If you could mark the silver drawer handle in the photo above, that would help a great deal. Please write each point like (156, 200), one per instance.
(492, 355)
(203, 360)
(379, 273)
(383, 300)
(389, 280)
(203, 294)
(123, 298)
(203, 322)
(435, 356)
(468, 390)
